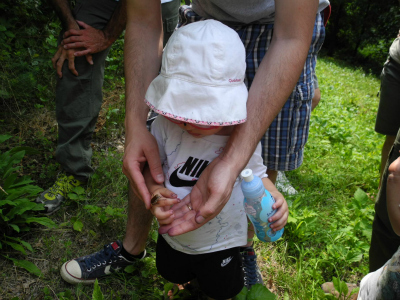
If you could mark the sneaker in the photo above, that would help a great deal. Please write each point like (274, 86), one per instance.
(87, 269)
(252, 274)
(53, 197)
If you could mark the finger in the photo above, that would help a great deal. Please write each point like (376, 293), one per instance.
(132, 170)
(166, 221)
(279, 224)
(166, 202)
(278, 202)
(182, 225)
(89, 58)
(83, 24)
(71, 66)
(56, 57)
(278, 214)
(74, 45)
(59, 66)
(83, 53)
(71, 32)
(161, 214)
(153, 159)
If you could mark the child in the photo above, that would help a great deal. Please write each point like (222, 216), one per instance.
(200, 96)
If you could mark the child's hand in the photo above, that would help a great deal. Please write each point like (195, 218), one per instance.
(161, 203)
(282, 211)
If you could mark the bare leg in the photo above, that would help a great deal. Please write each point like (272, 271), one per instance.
(316, 98)
(137, 226)
(272, 174)
(387, 145)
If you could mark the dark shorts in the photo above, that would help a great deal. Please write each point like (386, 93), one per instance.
(388, 117)
(384, 241)
(219, 274)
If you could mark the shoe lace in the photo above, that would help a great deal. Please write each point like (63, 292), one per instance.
(101, 257)
(62, 186)
(58, 186)
(250, 269)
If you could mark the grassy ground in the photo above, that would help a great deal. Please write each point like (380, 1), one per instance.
(330, 216)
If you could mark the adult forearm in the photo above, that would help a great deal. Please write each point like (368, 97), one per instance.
(142, 55)
(63, 10)
(276, 77)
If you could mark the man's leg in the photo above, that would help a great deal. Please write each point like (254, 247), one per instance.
(387, 145)
(78, 102)
(384, 241)
(137, 226)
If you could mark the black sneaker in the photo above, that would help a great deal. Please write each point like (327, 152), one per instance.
(87, 269)
(252, 274)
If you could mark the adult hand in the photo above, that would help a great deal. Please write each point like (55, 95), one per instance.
(88, 41)
(59, 58)
(140, 148)
(210, 194)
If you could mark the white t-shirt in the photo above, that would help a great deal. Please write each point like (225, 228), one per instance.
(184, 158)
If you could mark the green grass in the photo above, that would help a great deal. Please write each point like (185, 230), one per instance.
(328, 230)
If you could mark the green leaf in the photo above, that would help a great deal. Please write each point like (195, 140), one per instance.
(361, 199)
(41, 220)
(78, 225)
(242, 295)
(258, 291)
(15, 227)
(167, 287)
(27, 265)
(129, 269)
(28, 150)
(354, 256)
(336, 283)
(344, 289)
(97, 294)
(78, 190)
(4, 137)
(17, 247)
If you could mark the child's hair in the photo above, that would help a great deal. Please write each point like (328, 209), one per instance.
(201, 78)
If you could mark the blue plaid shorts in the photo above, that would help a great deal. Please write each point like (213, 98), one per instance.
(283, 142)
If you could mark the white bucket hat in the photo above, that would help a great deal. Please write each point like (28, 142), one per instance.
(201, 78)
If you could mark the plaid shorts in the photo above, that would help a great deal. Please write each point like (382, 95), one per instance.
(284, 141)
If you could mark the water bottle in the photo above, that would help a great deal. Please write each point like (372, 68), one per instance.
(258, 206)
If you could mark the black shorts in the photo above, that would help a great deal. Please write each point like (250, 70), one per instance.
(219, 274)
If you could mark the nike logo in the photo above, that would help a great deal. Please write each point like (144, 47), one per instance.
(193, 167)
(226, 261)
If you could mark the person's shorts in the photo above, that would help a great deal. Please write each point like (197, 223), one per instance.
(388, 117)
(219, 274)
(315, 80)
(284, 141)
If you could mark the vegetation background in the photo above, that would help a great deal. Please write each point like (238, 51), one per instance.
(330, 220)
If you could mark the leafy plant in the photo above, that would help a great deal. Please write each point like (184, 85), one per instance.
(17, 210)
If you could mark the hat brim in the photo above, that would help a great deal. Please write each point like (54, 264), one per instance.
(180, 99)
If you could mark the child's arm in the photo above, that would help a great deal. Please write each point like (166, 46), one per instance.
(393, 195)
(161, 209)
(282, 211)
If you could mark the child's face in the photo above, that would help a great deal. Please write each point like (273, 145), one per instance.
(199, 131)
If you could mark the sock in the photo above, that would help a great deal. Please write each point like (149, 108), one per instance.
(129, 256)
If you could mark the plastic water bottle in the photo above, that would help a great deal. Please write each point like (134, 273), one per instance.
(258, 206)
